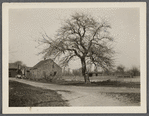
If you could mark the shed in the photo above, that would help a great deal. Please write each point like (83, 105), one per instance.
(46, 69)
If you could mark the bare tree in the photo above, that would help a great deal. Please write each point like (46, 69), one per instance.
(135, 71)
(20, 63)
(77, 72)
(120, 69)
(84, 38)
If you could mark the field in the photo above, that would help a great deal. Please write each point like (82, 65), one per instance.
(100, 81)
(102, 78)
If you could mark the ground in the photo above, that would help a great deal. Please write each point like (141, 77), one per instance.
(92, 95)
(23, 95)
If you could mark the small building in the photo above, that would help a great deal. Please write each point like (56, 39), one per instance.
(46, 69)
(124, 75)
(94, 74)
(13, 69)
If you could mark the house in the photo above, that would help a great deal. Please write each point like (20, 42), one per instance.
(46, 69)
(13, 67)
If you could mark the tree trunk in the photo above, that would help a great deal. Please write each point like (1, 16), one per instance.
(86, 76)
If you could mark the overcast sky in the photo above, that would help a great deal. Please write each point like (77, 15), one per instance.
(26, 24)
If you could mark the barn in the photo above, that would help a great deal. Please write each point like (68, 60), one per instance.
(46, 69)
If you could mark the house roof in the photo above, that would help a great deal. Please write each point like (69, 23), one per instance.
(13, 66)
(41, 63)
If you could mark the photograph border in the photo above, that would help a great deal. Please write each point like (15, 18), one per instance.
(64, 110)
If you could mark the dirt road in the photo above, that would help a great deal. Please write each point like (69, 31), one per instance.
(89, 96)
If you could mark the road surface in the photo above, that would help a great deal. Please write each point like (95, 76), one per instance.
(87, 96)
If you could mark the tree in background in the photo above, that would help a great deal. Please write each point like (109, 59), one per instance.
(20, 63)
(67, 72)
(81, 37)
(120, 69)
(21, 67)
(77, 72)
(134, 71)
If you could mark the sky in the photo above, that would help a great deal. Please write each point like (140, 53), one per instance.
(25, 26)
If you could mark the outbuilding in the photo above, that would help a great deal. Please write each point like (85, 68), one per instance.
(46, 69)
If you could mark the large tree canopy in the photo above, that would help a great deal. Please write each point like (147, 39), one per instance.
(81, 37)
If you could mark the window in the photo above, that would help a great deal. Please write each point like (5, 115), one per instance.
(54, 73)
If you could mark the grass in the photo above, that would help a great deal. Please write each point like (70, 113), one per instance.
(23, 95)
(107, 83)
(126, 97)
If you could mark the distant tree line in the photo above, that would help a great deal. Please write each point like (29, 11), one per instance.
(121, 70)
(20, 63)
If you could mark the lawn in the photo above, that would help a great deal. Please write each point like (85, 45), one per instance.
(102, 78)
(129, 98)
(23, 95)
(104, 83)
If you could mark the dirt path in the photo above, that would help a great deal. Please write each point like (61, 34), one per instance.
(86, 96)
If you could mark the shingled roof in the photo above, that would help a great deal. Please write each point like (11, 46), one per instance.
(41, 63)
